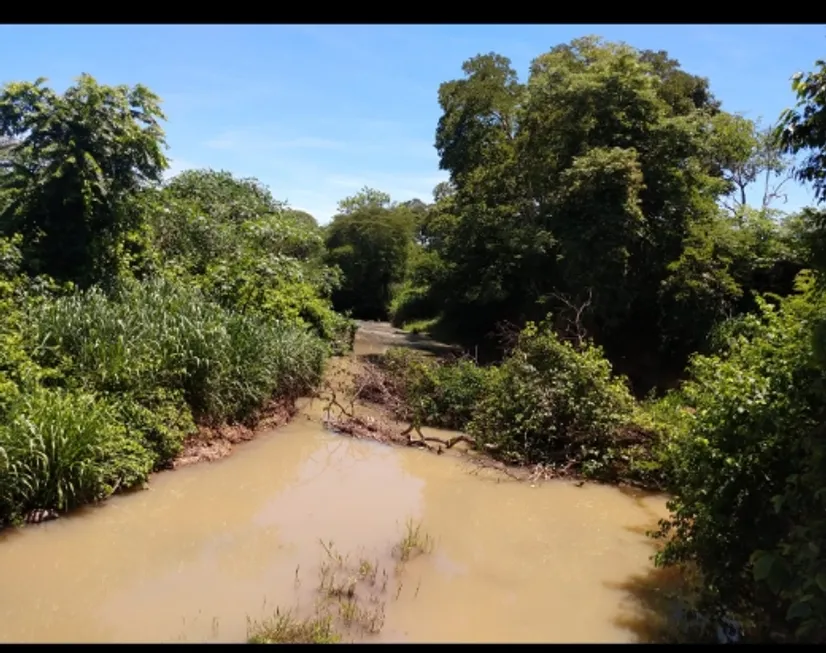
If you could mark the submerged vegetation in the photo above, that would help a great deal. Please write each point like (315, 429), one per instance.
(350, 598)
(627, 315)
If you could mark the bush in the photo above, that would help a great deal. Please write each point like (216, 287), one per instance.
(437, 393)
(411, 303)
(748, 474)
(61, 449)
(160, 421)
(549, 402)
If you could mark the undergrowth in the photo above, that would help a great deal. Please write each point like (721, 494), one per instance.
(100, 388)
(549, 402)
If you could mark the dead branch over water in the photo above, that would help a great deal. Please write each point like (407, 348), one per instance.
(348, 389)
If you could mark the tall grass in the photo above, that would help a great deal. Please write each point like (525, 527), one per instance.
(131, 373)
(161, 334)
(62, 449)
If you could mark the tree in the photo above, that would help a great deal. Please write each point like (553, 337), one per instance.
(478, 123)
(802, 130)
(748, 482)
(76, 163)
(302, 217)
(366, 198)
(370, 244)
(605, 154)
(748, 154)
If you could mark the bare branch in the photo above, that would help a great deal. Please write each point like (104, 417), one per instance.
(575, 326)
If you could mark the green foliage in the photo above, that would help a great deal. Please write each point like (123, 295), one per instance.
(126, 373)
(747, 467)
(370, 244)
(550, 402)
(365, 200)
(247, 252)
(803, 128)
(200, 300)
(222, 197)
(159, 420)
(747, 472)
(604, 154)
(164, 335)
(60, 449)
(443, 394)
(75, 163)
(411, 303)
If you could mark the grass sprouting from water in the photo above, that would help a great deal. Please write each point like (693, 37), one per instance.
(415, 542)
(351, 596)
(287, 629)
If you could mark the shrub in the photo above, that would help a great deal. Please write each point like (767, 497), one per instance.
(63, 448)
(747, 476)
(159, 420)
(437, 393)
(411, 303)
(550, 402)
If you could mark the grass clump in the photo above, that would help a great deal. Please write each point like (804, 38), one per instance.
(414, 542)
(350, 598)
(104, 387)
(161, 334)
(287, 629)
(63, 448)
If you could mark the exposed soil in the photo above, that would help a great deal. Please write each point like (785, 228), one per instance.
(213, 443)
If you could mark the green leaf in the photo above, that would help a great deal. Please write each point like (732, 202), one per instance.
(799, 610)
(763, 566)
(820, 579)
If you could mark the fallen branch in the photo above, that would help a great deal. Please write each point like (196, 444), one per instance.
(447, 444)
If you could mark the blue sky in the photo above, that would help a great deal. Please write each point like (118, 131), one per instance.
(317, 112)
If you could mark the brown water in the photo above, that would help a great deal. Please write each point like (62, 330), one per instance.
(210, 545)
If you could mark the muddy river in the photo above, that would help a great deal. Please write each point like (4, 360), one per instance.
(212, 545)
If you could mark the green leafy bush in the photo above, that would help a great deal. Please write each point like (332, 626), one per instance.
(63, 448)
(411, 303)
(18, 372)
(437, 393)
(160, 421)
(550, 402)
(748, 474)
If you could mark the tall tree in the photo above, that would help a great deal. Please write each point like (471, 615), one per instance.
(606, 154)
(367, 198)
(370, 243)
(802, 130)
(77, 161)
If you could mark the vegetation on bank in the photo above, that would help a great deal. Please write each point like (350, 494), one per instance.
(632, 316)
(135, 311)
(671, 333)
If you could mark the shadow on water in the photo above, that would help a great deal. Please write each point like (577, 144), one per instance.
(654, 600)
(652, 605)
